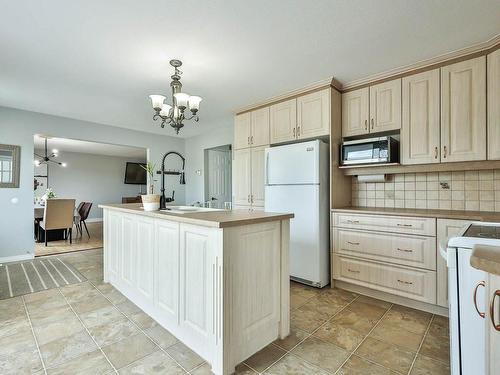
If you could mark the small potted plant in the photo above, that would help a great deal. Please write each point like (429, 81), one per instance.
(150, 201)
(49, 194)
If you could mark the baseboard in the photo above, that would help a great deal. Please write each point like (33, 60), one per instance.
(16, 258)
(94, 220)
(433, 309)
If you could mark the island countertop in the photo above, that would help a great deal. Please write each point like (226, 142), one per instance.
(214, 219)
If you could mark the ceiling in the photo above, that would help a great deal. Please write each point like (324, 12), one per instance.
(84, 147)
(99, 60)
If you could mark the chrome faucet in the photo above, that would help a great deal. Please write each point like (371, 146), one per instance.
(163, 199)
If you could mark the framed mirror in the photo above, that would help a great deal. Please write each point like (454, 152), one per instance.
(9, 166)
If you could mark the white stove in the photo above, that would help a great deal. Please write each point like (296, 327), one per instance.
(466, 298)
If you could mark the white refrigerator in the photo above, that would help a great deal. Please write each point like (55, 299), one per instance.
(297, 181)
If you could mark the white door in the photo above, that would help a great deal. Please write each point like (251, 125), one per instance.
(472, 327)
(257, 177)
(283, 122)
(313, 114)
(463, 111)
(355, 112)
(242, 177)
(219, 177)
(385, 106)
(303, 202)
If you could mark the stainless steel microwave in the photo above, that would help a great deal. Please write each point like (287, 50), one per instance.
(378, 150)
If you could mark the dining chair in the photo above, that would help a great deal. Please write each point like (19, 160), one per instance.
(84, 214)
(77, 217)
(58, 214)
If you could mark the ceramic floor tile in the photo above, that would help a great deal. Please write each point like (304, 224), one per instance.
(113, 331)
(26, 361)
(265, 358)
(42, 317)
(439, 326)
(359, 366)
(87, 364)
(13, 325)
(408, 319)
(128, 308)
(295, 337)
(161, 336)
(292, 365)
(340, 335)
(428, 366)
(370, 311)
(101, 316)
(355, 321)
(78, 292)
(124, 352)
(324, 306)
(303, 290)
(322, 354)
(46, 300)
(156, 363)
(66, 348)
(307, 320)
(336, 295)
(91, 304)
(11, 307)
(184, 356)
(57, 329)
(393, 334)
(241, 369)
(387, 355)
(296, 301)
(143, 320)
(436, 347)
(21, 340)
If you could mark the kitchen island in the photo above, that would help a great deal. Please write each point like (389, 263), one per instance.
(217, 280)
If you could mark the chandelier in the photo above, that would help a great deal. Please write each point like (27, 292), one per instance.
(175, 114)
(48, 158)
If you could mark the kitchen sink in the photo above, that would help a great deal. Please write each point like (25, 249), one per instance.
(188, 209)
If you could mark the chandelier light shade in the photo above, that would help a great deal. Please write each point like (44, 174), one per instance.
(174, 114)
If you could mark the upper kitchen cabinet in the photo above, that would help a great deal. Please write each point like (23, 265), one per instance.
(251, 129)
(385, 106)
(420, 143)
(283, 121)
(313, 114)
(259, 127)
(242, 130)
(242, 185)
(463, 111)
(494, 105)
(355, 112)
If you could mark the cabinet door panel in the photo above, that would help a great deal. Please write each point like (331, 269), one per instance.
(313, 114)
(113, 244)
(494, 105)
(257, 177)
(129, 250)
(463, 111)
(242, 177)
(420, 131)
(242, 130)
(260, 127)
(385, 106)
(283, 121)
(355, 112)
(145, 257)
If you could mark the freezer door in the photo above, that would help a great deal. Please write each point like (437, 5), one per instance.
(305, 249)
(293, 164)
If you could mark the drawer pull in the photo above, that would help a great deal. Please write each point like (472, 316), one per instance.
(492, 310)
(353, 243)
(405, 225)
(474, 298)
(353, 221)
(353, 271)
(405, 250)
(405, 282)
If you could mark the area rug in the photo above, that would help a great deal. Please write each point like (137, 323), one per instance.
(19, 278)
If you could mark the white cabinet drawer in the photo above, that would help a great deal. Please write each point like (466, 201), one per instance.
(423, 226)
(412, 283)
(403, 249)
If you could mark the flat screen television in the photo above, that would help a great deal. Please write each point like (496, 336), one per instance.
(135, 174)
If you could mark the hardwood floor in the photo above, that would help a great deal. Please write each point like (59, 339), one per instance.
(80, 242)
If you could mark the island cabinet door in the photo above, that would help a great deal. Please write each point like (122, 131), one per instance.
(198, 248)
(145, 257)
(129, 250)
(167, 270)
(112, 244)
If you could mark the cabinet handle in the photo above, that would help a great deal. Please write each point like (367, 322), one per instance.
(248, 140)
(492, 310)
(298, 131)
(373, 125)
(474, 298)
(405, 282)
(353, 243)
(353, 271)
(445, 152)
(248, 198)
(405, 250)
(366, 124)
(435, 152)
(404, 225)
(353, 221)
(251, 198)
(294, 132)
(251, 140)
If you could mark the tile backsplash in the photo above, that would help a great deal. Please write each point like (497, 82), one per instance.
(463, 190)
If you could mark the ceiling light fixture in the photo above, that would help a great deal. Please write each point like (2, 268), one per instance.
(45, 159)
(174, 114)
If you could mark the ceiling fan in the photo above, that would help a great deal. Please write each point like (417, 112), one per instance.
(48, 158)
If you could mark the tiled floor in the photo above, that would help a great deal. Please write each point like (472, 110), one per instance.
(91, 328)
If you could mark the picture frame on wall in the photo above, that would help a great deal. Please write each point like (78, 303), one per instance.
(10, 166)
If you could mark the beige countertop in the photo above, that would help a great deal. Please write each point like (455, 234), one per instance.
(486, 258)
(440, 214)
(216, 219)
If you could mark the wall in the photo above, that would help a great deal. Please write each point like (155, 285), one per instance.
(18, 127)
(92, 178)
(468, 190)
(195, 146)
